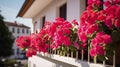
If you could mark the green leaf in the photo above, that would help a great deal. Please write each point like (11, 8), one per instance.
(109, 53)
(23, 49)
(72, 48)
(104, 28)
(102, 57)
(115, 36)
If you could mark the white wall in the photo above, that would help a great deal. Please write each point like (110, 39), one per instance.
(50, 13)
(38, 62)
(74, 9)
(58, 61)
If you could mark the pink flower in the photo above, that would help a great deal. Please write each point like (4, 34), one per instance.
(66, 41)
(100, 50)
(23, 41)
(107, 3)
(108, 22)
(105, 37)
(88, 17)
(60, 19)
(67, 31)
(82, 37)
(66, 25)
(97, 2)
(58, 41)
(81, 33)
(83, 45)
(30, 52)
(117, 23)
(101, 38)
(94, 42)
(92, 16)
(74, 22)
(101, 16)
(93, 52)
(117, 13)
(83, 18)
(76, 45)
(92, 28)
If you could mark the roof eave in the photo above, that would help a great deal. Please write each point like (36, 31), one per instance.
(25, 7)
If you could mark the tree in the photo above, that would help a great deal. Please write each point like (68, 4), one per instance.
(6, 39)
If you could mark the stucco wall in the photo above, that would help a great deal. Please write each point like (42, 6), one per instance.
(58, 61)
(74, 9)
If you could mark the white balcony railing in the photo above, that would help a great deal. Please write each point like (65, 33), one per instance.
(73, 59)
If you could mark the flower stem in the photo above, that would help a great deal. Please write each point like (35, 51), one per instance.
(95, 59)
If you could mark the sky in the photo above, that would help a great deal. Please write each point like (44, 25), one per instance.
(9, 10)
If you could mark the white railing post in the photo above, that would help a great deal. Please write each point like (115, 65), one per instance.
(55, 51)
(67, 54)
(71, 54)
(82, 57)
(103, 63)
(88, 54)
(76, 54)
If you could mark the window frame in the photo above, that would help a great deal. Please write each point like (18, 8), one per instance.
(63, 11)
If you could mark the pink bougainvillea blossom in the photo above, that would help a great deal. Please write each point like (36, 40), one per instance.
(101, 38)
(98, 50)
(93, 52)
(92, 28)
(30, 52)
(23, 41)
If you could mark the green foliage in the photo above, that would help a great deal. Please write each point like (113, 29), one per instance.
(6, 39)
(116, 36)
(63, 50)
(26, 65)
(104, 28)
(10, 62)
(102, 58)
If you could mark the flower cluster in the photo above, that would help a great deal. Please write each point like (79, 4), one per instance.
(54, 35)
(98, 26)
(98, 30)
(99, 42)
(23, 42)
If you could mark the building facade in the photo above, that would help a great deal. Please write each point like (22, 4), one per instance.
(18, 30)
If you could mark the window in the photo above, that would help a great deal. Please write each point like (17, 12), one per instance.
(22, 30)
(27, 31)
(43, 21)
(13, 51)
(36, 31)
(63, 11)
(13, 30)
(17, 50)
(18, 30)
(86, 3)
